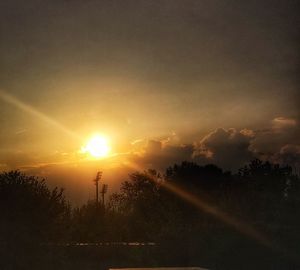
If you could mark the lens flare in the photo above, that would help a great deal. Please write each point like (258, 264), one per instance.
(97, 147)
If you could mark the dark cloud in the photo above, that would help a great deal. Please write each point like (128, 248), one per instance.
(283, 131)
(153, 147)
(290, 155)
(229, 148)
(226, 148)
(161, 154)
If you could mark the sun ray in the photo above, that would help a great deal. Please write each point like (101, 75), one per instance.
(34, 112)
(230, 220)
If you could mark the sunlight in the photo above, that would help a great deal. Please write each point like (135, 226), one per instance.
(97, 147)
(12, 100)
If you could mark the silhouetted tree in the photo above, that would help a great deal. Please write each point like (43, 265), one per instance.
(209, 182)
(139, 204)
(29, 209)
(30, 215)
(271, 194)
(88, 223)
(261, 193)
(193, 176)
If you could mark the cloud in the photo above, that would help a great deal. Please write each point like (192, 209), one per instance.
(137, 141)
(289, 154)
(153, 147)
(21, 131)
(283, 123)
(228, 148)
(161, 153)
(231, 149)
(283, 131)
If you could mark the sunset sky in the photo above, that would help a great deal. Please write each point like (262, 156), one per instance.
(162, 81)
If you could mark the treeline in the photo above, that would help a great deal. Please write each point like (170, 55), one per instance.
(203, 210)
(154, 207)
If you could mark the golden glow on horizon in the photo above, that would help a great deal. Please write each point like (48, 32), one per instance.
(97, 147)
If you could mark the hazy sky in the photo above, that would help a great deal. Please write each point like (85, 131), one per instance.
(210, 81)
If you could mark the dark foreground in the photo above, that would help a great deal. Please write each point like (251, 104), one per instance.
(200, 216)
(238, 255)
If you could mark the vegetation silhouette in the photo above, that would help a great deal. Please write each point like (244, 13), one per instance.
(31, 215)
(39, 227)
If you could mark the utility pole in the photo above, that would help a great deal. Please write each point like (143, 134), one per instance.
(96, 180)
(103, 191)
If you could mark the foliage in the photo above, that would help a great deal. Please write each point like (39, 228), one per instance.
(261, 194)
(139, 204)
(30, 211)
(88, 223)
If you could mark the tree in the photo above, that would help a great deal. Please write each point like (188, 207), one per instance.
(139, 205)
(272, 193)
(88, 223)
(29, 211)
(193, 176)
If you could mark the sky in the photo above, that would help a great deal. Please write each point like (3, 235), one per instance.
(164, 81)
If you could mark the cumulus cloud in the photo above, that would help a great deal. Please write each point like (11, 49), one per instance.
(153, 147)
(232, 148)
(283, 131)
(289, 154)
(283, 122)
(163, 152)
(228, 148)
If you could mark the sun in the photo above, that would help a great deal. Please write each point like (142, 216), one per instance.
(97, 146)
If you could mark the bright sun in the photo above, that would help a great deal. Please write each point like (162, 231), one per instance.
(97, 147)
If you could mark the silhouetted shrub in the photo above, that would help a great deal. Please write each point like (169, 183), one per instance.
(31, 217)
